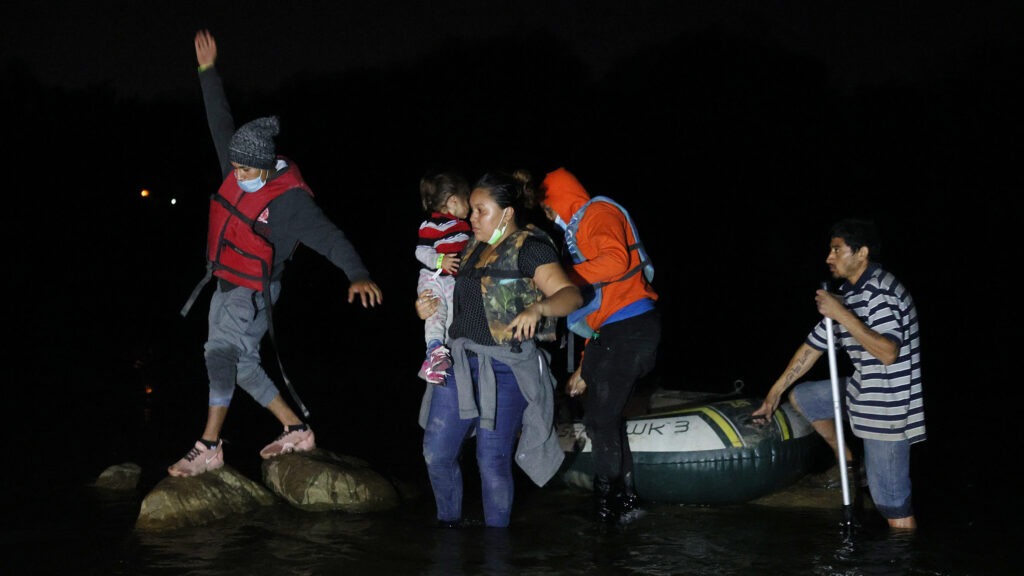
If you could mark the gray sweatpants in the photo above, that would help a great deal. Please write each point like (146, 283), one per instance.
(237, 324)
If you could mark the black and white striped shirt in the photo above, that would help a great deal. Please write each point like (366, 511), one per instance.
(883, 402)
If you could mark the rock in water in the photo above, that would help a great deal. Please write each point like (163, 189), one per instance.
(321, 480)
(120, 477)
(182, 502)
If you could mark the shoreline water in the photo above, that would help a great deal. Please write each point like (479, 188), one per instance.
(107, 411)
(57, 523)
(84, 530)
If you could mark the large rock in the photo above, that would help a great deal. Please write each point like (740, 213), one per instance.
(183, 502)
(321, 480)
(314, 481)
(120, 477)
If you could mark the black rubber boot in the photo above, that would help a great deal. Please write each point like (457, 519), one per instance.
(607, 499)
(629, 502)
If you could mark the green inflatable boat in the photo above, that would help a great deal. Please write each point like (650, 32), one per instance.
(706, 453)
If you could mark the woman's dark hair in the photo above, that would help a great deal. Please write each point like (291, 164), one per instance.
(516, 190)
(857, 232)
(437, 187)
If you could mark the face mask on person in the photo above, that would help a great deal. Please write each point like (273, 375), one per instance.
(252, 185)
(499, 230)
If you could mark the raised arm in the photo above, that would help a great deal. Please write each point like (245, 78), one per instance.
(218, 112)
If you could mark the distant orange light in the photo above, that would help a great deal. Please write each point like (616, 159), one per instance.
(144, 193)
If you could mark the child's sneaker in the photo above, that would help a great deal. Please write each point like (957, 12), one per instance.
(301, 440)
(199, 459)
(437, 378)
(440, 359)
(424, 368)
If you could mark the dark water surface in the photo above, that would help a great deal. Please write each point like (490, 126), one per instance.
(56, 523)
(91, 399)
(80, 531)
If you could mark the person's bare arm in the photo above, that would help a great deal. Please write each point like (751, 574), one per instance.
(876, 344)
(561, 298)
(799, 364)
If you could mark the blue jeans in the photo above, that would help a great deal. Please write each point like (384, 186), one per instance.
(445, 435)
(887, 462)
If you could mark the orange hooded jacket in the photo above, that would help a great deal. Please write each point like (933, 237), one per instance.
(602, 237)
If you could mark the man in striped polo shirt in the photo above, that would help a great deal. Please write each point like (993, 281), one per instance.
(875, 322)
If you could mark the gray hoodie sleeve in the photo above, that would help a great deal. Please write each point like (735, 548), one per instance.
(218, 116)
(306, 223)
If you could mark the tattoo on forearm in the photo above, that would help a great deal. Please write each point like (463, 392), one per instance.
(797, 369)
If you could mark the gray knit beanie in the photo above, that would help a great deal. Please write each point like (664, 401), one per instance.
(253, 143)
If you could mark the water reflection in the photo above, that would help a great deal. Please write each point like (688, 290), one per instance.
(965, 528)
(551, 534)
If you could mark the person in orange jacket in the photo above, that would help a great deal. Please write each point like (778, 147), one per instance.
(621, 325)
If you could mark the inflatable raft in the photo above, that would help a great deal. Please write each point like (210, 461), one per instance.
(706, 453)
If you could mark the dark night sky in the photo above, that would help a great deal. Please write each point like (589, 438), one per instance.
(142, 48)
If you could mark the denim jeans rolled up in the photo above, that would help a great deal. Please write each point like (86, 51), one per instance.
(887, 463)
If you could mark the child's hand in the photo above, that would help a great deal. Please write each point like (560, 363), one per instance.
(451, 263)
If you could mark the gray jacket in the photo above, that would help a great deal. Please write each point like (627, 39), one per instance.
(538, 453)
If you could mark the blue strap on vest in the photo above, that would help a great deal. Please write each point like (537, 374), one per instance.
(577, 320)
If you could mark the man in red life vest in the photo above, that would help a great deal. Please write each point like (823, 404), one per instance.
(261, 213)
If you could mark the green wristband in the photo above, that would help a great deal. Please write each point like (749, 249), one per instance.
(205, 67)
(440, 261)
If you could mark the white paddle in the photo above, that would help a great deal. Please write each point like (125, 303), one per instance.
(838, 410)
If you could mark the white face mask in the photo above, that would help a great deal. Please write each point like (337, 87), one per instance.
(499, 230)
(252, 185)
